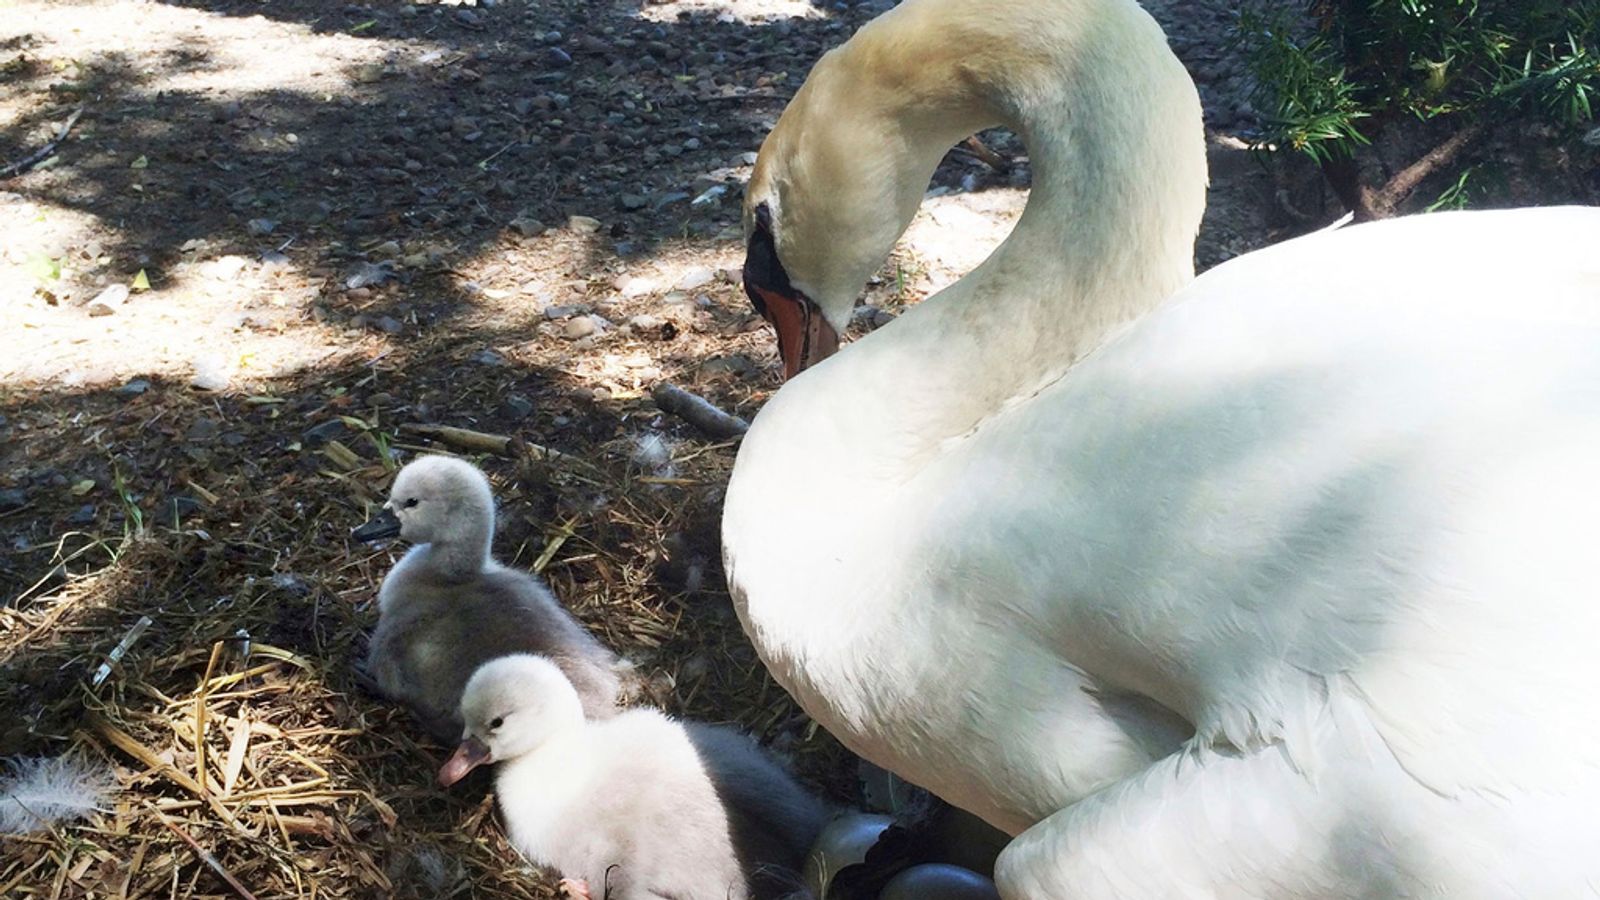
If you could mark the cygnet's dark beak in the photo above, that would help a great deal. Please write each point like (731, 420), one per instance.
(383, 525)
(471, 754)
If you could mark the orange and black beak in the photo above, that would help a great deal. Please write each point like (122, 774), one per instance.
(471, 754)
(805, 336)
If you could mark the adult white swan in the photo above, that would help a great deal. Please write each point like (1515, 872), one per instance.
(1278, 584)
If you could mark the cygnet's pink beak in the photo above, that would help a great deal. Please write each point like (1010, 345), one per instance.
(471, 754)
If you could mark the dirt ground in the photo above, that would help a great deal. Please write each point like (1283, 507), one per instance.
(285, 232)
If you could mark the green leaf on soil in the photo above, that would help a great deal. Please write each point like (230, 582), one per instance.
(44, 267)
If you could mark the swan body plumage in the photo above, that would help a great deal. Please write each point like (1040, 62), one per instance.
(1270, 583)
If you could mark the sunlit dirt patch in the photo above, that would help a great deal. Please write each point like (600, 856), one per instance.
(177, 49)
(734, 10)
(220, 321)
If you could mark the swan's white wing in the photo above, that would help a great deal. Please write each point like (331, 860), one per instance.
(1372, 452)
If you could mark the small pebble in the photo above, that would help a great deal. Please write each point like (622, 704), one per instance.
(636, 287)
(202, 431)
(518, 407)
(694, 278)
(579, 327)
(210, 373)
(323, 432)
(109, 300)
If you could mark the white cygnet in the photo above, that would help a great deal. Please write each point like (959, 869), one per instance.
(631, 807)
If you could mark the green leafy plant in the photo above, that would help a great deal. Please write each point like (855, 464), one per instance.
(133, 516)
(1333, 80)
(1456, 195)
(905, 276)
(1315, 110)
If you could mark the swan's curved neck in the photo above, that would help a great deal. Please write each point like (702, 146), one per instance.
(1112, 125)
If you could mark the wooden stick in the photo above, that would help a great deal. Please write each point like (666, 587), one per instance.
(747, 95)
(1405, 181)
(38, 156)
(484, 442)
(206, 857)
(1368, 203)
(697, 411)
(986, 155)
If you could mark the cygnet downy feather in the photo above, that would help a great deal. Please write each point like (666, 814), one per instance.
(42, 792)
(448, 606)
(635, 806)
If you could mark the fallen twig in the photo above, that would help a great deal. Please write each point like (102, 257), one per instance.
(1406, 180)
(698, 411)
(747, 95)
(43, 153)
(205, 856)
(986, 155)
(484, 163)
(1367, 202)
(484, 442)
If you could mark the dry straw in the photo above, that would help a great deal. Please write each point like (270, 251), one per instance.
(212, 668)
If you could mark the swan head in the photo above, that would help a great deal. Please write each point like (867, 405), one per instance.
(836, 182)
(435, 500)
(805, 333)
(511, 706)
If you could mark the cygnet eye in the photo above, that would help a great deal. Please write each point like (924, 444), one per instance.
(497, 721)
(410, 503)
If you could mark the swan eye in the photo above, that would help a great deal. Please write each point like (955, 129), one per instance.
(496, 722)
(409, 503)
